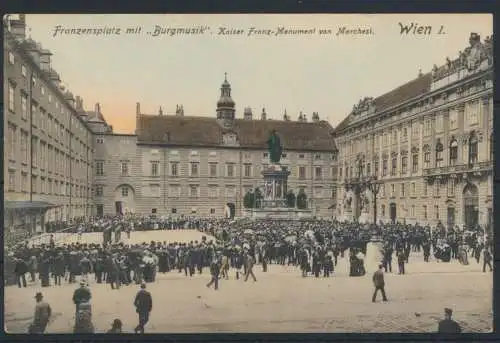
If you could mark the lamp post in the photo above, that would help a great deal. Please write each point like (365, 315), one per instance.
(365, 182)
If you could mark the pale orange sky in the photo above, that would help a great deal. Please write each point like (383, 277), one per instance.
(325, 74)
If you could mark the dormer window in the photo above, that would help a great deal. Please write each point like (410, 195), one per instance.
(265, 155)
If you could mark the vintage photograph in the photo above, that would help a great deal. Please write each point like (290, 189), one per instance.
(181, 173)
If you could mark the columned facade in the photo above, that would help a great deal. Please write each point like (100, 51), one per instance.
(429, 142)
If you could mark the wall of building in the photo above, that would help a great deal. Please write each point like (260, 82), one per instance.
(193, 189)
(48, 150)
(453, 112)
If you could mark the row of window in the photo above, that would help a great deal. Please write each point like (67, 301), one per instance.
(404, 188)
(213, 167)
(41, 119)
(455, 117)
(45, 122)
(471, 150)
(412, 212)
(44, 156)
(213, 191)
(44, 185)
(360, 145)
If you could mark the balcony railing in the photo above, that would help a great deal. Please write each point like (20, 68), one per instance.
(462, 168)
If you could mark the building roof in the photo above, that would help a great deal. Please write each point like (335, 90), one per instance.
(407, 91)
(206, 131)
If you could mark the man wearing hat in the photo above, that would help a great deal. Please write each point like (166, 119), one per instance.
(448, 325)
(81, 295)
(42, 315)
(143, 305)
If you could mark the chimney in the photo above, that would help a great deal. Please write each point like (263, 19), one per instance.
(263, 115)
(301, 117)
(79, 103)
(68, 96)
(247, 113)
(285, 116)
(137, 108)
(97, 109)
(45, 59)
(160, 111)
(18, 27)
(315, 117)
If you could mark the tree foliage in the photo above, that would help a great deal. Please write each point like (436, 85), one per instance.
(302, 200)
(290, 199)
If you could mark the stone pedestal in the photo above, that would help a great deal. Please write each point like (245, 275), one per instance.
(274, 204)
(364, 218)
(374, 255)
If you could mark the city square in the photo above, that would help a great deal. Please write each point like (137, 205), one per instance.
(131, 217)
(280, 301)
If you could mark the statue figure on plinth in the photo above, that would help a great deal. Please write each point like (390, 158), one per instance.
(347, 201)
(275, 148)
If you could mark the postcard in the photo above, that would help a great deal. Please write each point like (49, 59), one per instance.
(248, 173)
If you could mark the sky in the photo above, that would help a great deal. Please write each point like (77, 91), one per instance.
(324, 73)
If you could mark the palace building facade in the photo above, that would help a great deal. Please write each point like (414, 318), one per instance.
(64, 162)
(177, 164)
(48, 146)
(427, 144)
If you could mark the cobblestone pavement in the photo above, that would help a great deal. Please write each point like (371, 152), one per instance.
(280, 301)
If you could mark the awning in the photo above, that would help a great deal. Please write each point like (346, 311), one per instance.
(28, 205)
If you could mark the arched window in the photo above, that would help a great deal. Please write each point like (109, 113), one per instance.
(427, 156)
(439, 154)
(453, 151)
(394, 164)
(472, 148)
(404, 164)
(414, 159)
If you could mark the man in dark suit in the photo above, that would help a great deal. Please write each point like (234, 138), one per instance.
(378, 282)
(448, 325)
(143, 305)
(487, 260)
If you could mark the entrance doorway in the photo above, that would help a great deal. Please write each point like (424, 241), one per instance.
(471, 205)
(230, 211)
(392, 212)
(119, 208)
(100, 210)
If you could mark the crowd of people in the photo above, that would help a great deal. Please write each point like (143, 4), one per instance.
(314, 246)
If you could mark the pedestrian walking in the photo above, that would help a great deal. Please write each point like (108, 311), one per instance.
(249, 268)
(43, 312)
(487, 260)
(379, 283)
(143, 305)
(214, 272)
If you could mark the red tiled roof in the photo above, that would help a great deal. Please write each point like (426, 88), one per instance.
(206, 131)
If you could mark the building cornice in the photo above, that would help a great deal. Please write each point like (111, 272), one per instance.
(392, 111)
(18, 47)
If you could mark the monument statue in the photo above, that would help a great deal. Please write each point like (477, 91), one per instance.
(275, 148)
